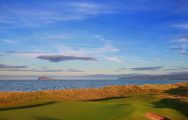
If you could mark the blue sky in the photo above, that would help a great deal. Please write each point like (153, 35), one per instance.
(85, 37)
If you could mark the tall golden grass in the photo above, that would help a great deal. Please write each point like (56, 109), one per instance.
(7, 98)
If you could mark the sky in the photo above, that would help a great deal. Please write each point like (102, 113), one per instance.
(89, 37)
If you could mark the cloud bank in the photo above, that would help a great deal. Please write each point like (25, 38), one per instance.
(146, 68)
(152, 68)
(58, 58)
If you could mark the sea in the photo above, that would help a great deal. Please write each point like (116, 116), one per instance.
(37, 85)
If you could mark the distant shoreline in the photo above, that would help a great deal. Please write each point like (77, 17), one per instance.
(39, 85)
(107, 86)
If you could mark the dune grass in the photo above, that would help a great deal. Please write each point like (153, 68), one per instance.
(8, 98)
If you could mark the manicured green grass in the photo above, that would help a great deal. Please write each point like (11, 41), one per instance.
(128, 108)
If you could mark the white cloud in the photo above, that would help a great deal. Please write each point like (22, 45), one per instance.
(181, 45)
(54, 12)
(100, 37)
(8, 41)
(98, 52)
(183, 52)
(114, 59)
(107, 48)
(90, 8)
(108, 44)
(66, 50)
(183, 26)
(62, 36)
(49, 12)
(183, 39)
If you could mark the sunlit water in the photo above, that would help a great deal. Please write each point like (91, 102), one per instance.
(35, 85)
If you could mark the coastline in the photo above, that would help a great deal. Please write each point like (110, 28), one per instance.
(87, 94)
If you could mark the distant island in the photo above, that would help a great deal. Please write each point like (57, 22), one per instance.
(45, 78)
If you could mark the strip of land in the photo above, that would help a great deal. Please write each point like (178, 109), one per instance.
(178, 90)
(128, 102)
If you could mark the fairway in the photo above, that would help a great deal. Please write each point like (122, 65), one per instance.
(127, 108)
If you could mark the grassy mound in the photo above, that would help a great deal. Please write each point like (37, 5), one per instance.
(128, 108)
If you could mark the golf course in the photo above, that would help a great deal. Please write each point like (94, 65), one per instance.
(171, 103)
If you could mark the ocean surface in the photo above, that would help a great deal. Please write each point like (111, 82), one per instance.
(35, 85)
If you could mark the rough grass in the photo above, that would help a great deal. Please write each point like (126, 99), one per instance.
(128, 108)
(8, 98)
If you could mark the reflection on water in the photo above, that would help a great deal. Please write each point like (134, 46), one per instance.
(33, 85)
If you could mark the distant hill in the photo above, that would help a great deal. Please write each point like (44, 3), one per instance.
(157, 77)
(44, 78)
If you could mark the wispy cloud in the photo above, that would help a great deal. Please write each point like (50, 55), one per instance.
(179, 73)
(179, 69)
(72, 70)
(32, 70)
(28, 53)
(58, 58)
(180, 44)
(22, 52)
(8, 41)
(107, 48)
(107, 51)
(150, 68)
(90, 8)
(108, 44)
(182, 26)
(11, 66)
(114, 59)
(41, 70)
(43, 13)
(146, 68)
(57, 11)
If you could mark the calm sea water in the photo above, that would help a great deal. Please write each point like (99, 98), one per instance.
(35, 85)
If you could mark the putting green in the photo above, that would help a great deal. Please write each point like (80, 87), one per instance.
(128, 108)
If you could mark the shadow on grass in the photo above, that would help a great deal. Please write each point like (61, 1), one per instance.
(183, 91)
(45, 118)
(27, 106)
(176, 104)
(111, 98)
